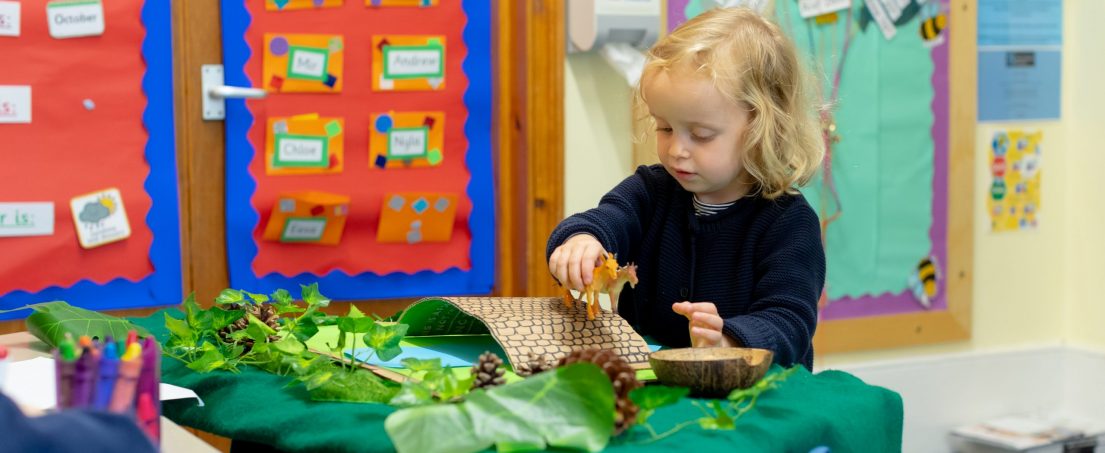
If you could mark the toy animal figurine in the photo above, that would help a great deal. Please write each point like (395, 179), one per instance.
(607, 278)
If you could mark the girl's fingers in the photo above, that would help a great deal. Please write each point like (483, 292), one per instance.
(574, 268)
(587, 262)
(704, 337)
(683, 308)
(712, 322)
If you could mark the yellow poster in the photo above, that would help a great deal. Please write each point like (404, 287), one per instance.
(1013, 200)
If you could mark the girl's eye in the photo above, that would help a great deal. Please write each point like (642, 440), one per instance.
(702, 138)
(666, 130)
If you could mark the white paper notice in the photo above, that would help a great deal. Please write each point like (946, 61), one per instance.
(31, 384)
(9, 18)
(15, 104)
(812, 8)
(75, 19)
(26, 219)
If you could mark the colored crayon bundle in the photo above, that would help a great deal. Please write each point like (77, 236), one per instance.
(121, 377)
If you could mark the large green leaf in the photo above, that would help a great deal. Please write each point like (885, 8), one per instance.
(570, 408)
(358, 387)
(52, 320)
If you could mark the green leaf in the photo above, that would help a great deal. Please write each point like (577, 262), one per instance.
(221, 318)
(229, 296)
(305, 328)
(52, 320)
(652, 397)
(211, 360)
(179, 330)
(258, 331)
(572, 407)
(385, 338)
(311, 295)
(282, 296)
(417, 365)
(257, 298)
(289, 345)
(354, 312)
(720, 421)
(657, 396)
(412, 394)
(450, 388)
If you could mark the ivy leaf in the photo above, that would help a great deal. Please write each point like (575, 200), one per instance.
(571, 407)
(258, 331)
(385, 338)
(52, 320)
(211, 359)
(180, 330)
(306, 327)
(451, 388)
(720, 421)
(311, 295)
(221, 318)
(282, 296)
(229, 296)
(412, 394)
(354, 312)
(650, 398)
(257, 298)
(417, 365)
(289, 345)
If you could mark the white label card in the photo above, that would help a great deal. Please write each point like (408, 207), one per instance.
(15, 104)
(75, 19)
(26, 219)
(813, 8)
(9, 18)
(307, 64)
(407, 142)
(413, 62)
(100, 218)
(882, 18)
(304, 229)
(301, 150)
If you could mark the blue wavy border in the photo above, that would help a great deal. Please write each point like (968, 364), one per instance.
(242, 218)
(163, 287)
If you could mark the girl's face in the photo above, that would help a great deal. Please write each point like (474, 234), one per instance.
(698, 135)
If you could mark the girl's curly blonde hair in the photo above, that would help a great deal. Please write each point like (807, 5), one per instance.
(752, 63)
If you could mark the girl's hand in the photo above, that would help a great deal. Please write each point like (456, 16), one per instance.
(705, 324)
(573, 263)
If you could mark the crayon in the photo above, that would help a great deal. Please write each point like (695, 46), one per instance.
(122, 397)
(109, 369)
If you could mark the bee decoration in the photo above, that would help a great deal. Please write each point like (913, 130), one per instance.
(925, 282)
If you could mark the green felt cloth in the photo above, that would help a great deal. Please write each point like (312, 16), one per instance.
(831, 408)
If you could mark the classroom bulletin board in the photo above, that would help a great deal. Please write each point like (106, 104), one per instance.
(88, 186)
(897, 245)
(368, 166)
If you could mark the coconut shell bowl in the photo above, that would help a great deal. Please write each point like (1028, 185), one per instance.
(710, 372)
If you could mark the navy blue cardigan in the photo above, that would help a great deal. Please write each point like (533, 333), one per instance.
(760, 261)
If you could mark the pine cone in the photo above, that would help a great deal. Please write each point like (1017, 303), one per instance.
(622, 377)
(264, 312)
(535, 364)
(488, 371)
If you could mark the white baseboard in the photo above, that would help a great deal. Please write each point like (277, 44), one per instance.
(940, 392)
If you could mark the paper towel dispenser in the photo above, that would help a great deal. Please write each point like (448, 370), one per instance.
(594, 23)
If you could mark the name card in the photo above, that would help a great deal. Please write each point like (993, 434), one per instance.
(15, 104)
(26, 219)
(413, 62)
(307, 63)
(9, 18)
(296, 229)
(75, 19)
(301, 151)
(407, 143)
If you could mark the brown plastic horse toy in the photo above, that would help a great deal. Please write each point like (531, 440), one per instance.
(607, 278)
